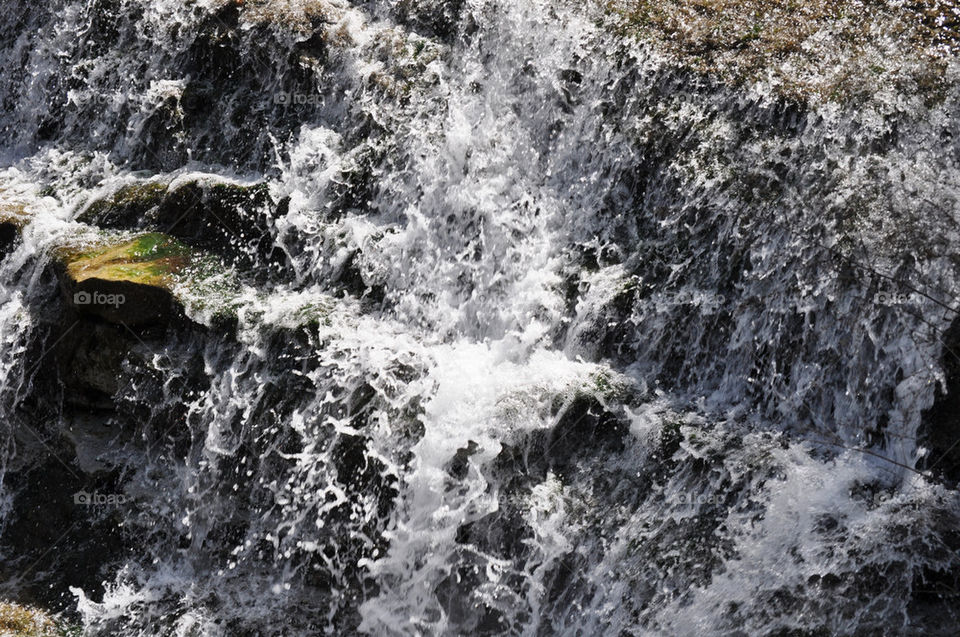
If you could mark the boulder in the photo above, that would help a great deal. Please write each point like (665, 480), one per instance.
(228, 218)
(129, 282)
(147, 279)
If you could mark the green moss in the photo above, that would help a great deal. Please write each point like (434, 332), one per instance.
(150, 259)
(608, 386)
(199, 281)
(154, 245)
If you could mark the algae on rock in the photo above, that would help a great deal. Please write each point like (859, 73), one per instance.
(143, 279)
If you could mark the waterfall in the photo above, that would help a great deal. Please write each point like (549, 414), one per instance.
(470, 317)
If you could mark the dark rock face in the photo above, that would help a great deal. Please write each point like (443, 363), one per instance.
(120, 302)
(91, 362)
(940, 431)
(70, 428)
(48, 547)
(224, 218)
(114, 397)
(433, 18)
(585, 431)
(8, 237)
(228, 219)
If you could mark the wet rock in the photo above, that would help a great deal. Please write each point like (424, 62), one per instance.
(13, 216)
(126, 207)
(91, 362)
(433, 18)
(833, 52)
(129, 282)
(59, 538)
(940, 428)
(227, 218)
(585, 427)
(459, 466)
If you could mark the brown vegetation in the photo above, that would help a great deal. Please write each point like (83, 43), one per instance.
(834, 49)
(23, 621)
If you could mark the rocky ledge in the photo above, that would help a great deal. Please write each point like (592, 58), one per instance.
(128, 281)
(131, 278)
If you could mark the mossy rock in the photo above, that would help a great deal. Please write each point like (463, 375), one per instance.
(13, 214)
(149, 259)
(230, 219)
(133, 281)
(125, 206)
(12, 219)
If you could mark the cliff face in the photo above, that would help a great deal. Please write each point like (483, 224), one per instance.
(480, 317)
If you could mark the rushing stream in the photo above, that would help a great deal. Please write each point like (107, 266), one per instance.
(527, 331)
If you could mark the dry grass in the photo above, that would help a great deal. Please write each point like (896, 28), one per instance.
(24, 621)
(13, 210)
(834, 49)
(13, 213)
(301, 15)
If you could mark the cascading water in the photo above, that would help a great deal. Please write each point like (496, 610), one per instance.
(507, 325)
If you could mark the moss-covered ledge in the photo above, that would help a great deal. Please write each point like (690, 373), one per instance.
(142, 279)
(209, 212)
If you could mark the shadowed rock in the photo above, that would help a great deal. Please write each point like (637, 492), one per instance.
(940, 430)
(130, 282)
(227, 218)
(13, 216)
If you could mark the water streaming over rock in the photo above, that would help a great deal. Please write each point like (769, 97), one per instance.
(515, 327)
